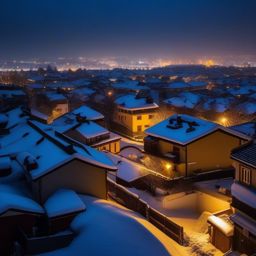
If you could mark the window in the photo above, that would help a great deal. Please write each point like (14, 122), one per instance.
(139, 117)
(150, 116)
(146, 126)
(139, 128)
(245, 175)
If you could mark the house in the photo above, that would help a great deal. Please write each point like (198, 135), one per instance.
(52, 162)
(84, 125)
(134, 114)
(192, 145)
(61, 208)
(17, 210)
(49, 105)
(244, 198)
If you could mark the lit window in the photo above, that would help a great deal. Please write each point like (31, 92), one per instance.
(245, 175)
(139, 117)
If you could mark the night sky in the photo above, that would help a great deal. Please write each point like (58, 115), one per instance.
(145, 28)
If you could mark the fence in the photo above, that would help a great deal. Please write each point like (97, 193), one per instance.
(133, 202)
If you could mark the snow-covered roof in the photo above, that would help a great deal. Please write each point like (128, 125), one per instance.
(53, 96)
(244, 222)
(245, 154)
(243, 194)
(248, 108)
(88, 112)
(91, 130)
(128, 170)
(48, 149)
(68, 121)
(105, 222)
(14, 200)
(224, 226)
(129, 85)
(11, 93)
(248, 128)
(219, 105)
(178, 85)
(171, 131)
(63, 202)
(184, 100)
(38, 114)
(132, 103)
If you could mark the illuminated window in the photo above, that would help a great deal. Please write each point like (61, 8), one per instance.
(139, 128)
(139, 117)
(245, 175)
(150, 116)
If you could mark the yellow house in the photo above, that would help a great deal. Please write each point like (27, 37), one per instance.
(134, 114)
(192, 145)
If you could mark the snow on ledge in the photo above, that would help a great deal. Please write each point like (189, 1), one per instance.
(244, 194)
(63, 202)
(225, 227)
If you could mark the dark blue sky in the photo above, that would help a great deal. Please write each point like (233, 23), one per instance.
(180, 28)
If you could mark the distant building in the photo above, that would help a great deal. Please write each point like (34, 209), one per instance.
(134, 114)
(248, 128)
(244, 198)
(85, 125)
(192, 145)
(49, 106)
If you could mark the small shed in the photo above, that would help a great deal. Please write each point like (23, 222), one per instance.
(221, 233)
(61, 208)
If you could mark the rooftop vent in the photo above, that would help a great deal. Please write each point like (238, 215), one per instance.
(175, 123)
(5, 166)
(27, 160)
(82, 119)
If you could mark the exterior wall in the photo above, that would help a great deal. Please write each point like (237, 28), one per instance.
(113, 147)
(238, 166)
(165, 147)
(243, 241)
(59, 110)
(8, 228)
(211, 152)
(77, 175)
(130, 121)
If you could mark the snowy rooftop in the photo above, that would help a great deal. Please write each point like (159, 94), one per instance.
(129, 85)
(63, 202)
(128, 170)
(88, 112)
(184, 100)
(39, 143)
(248, 128)
(170, 130)
(246, 154)
(91, 130)
(243, 194)
(14, 199)
(222, 225)
(68, 121)
(53, 96)
(105, 222)
(130, 102)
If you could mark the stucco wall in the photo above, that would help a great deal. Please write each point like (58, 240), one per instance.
(211, 152)
(76, 175)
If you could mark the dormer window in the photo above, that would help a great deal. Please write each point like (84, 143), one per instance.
(245, 175)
